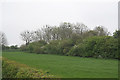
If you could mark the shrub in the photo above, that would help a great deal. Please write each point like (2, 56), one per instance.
(65, 45)
(36, 47)
(12, 69)
(103, 47)
(52, 47)
(39, 50)
(23, 48)
(96, 46)
(60, 47)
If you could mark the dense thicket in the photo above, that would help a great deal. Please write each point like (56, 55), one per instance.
(98, 47)
(72, 40)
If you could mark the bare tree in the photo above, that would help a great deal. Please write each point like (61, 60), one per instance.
(65, 30)
(55, 33)
(3, 39)
(80, 28)
(47, 33)
(37, 35)
(26, 36)
(101, 31)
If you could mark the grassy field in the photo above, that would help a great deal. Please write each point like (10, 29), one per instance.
(67, 66)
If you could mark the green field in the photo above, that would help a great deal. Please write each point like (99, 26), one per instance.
(67, 66)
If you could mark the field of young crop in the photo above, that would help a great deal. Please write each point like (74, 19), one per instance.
(67, 66)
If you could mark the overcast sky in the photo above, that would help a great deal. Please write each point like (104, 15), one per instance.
(19, 15)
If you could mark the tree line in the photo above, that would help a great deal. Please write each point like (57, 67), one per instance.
(69, 39)
(72, 40)
(63, 31)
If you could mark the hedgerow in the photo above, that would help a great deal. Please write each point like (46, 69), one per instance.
(98, 47)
